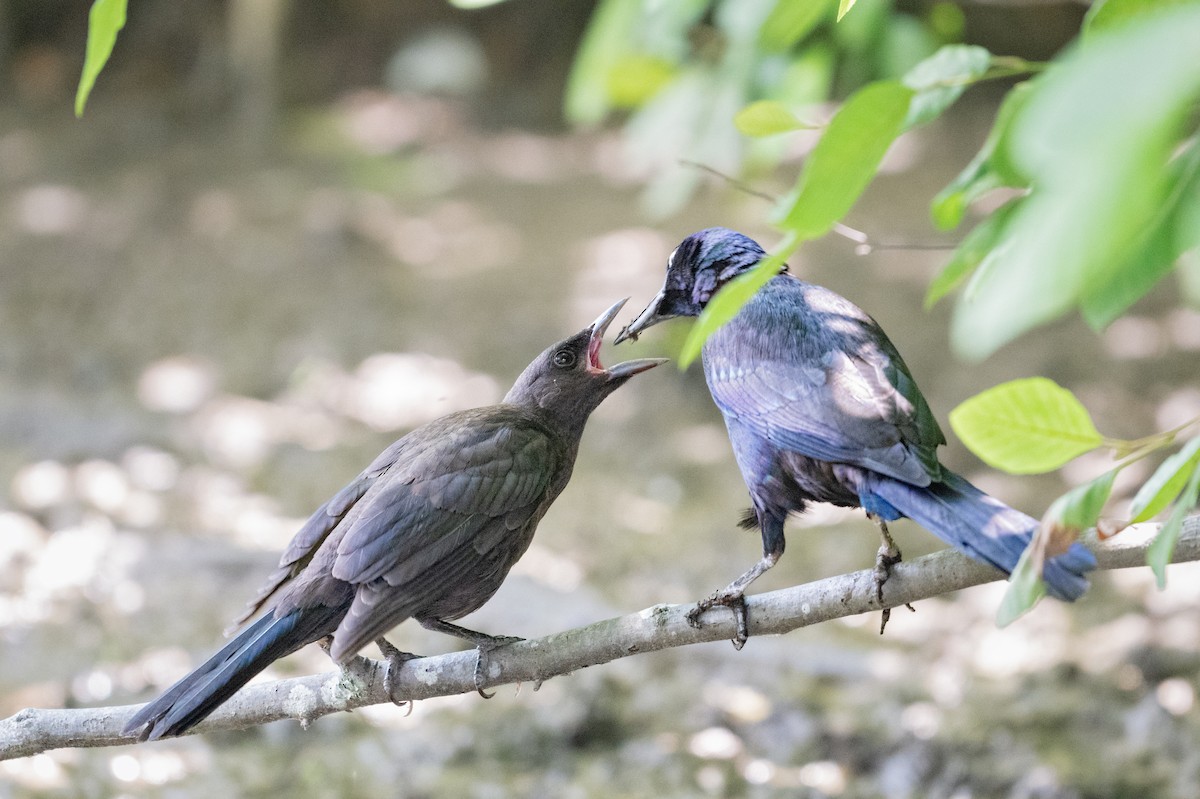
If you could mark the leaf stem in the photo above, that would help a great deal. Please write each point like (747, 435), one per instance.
(1015, 64)
(1138, 448)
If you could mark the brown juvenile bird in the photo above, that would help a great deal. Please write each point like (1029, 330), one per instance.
(428, 531)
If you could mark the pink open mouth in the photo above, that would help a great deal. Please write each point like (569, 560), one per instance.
(593, 351)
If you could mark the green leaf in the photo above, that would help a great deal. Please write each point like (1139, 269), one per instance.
(845, 159)
(1163, 545)
(1109, 14)
(1187, 218)
(942, 78)
(857, 37)
(906, 42)
(989, 169)
(1080, 508)
(1096, 137)
(1165, 484)
(947, 21)
(105, 21)
(729, 300)
(1104, 298)
(1074, 511)
(606, 41)
(951, 203)
(970, 253)
(1025, 589)
(1110, 292)
(844, 7)
(633, 79)
(767, 118)
(1025, 426)
(809, 77)
(790, 21)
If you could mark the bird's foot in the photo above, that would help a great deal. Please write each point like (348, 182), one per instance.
(484, 647)
(395, 659)
(483, 642)
(732, 598)
(886, 557)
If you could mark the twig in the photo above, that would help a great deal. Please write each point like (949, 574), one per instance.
(859, 237)
(36, 730)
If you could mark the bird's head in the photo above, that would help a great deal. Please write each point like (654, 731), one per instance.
(701, 264)
(568, 380)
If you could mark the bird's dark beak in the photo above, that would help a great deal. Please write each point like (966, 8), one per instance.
(648, 318)
(622, 370)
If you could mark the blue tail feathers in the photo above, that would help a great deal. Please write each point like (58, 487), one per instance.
(196, 695)
(979, 525)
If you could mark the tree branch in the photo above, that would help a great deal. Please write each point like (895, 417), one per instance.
(35, 730)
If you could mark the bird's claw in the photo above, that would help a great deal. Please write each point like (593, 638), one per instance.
(395, 660)
(736, 602)
(482, 648)
(888, 557)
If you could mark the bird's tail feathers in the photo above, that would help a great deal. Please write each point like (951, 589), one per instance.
(198, 694)
(984, 528)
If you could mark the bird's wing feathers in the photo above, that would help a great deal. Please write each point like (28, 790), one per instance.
(480, 480)
(456, 496)
(308, 540)
(821, 379)
(447, 513)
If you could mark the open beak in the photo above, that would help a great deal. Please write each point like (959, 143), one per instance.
(646, 318)
(621, 370)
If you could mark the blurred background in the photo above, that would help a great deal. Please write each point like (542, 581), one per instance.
(283, 234)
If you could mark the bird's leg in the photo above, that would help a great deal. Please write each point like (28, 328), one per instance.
(733, 596)
(395, 659)
(360, 667)
(483, 642)
(887, 557)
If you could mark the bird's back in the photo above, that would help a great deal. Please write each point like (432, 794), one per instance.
(430, 528)
(807, 371)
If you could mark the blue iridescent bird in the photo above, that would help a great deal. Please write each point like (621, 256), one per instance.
(821, 407)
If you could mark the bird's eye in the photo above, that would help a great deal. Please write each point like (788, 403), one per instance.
(564, 359)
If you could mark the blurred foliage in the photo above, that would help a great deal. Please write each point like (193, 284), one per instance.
(683, 72)
(844, 161)
(1098, 149)
(1103, 152)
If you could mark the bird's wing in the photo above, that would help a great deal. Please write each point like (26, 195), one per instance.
(822, 379)
(451, 519)
(317, 528)
(459, 494)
